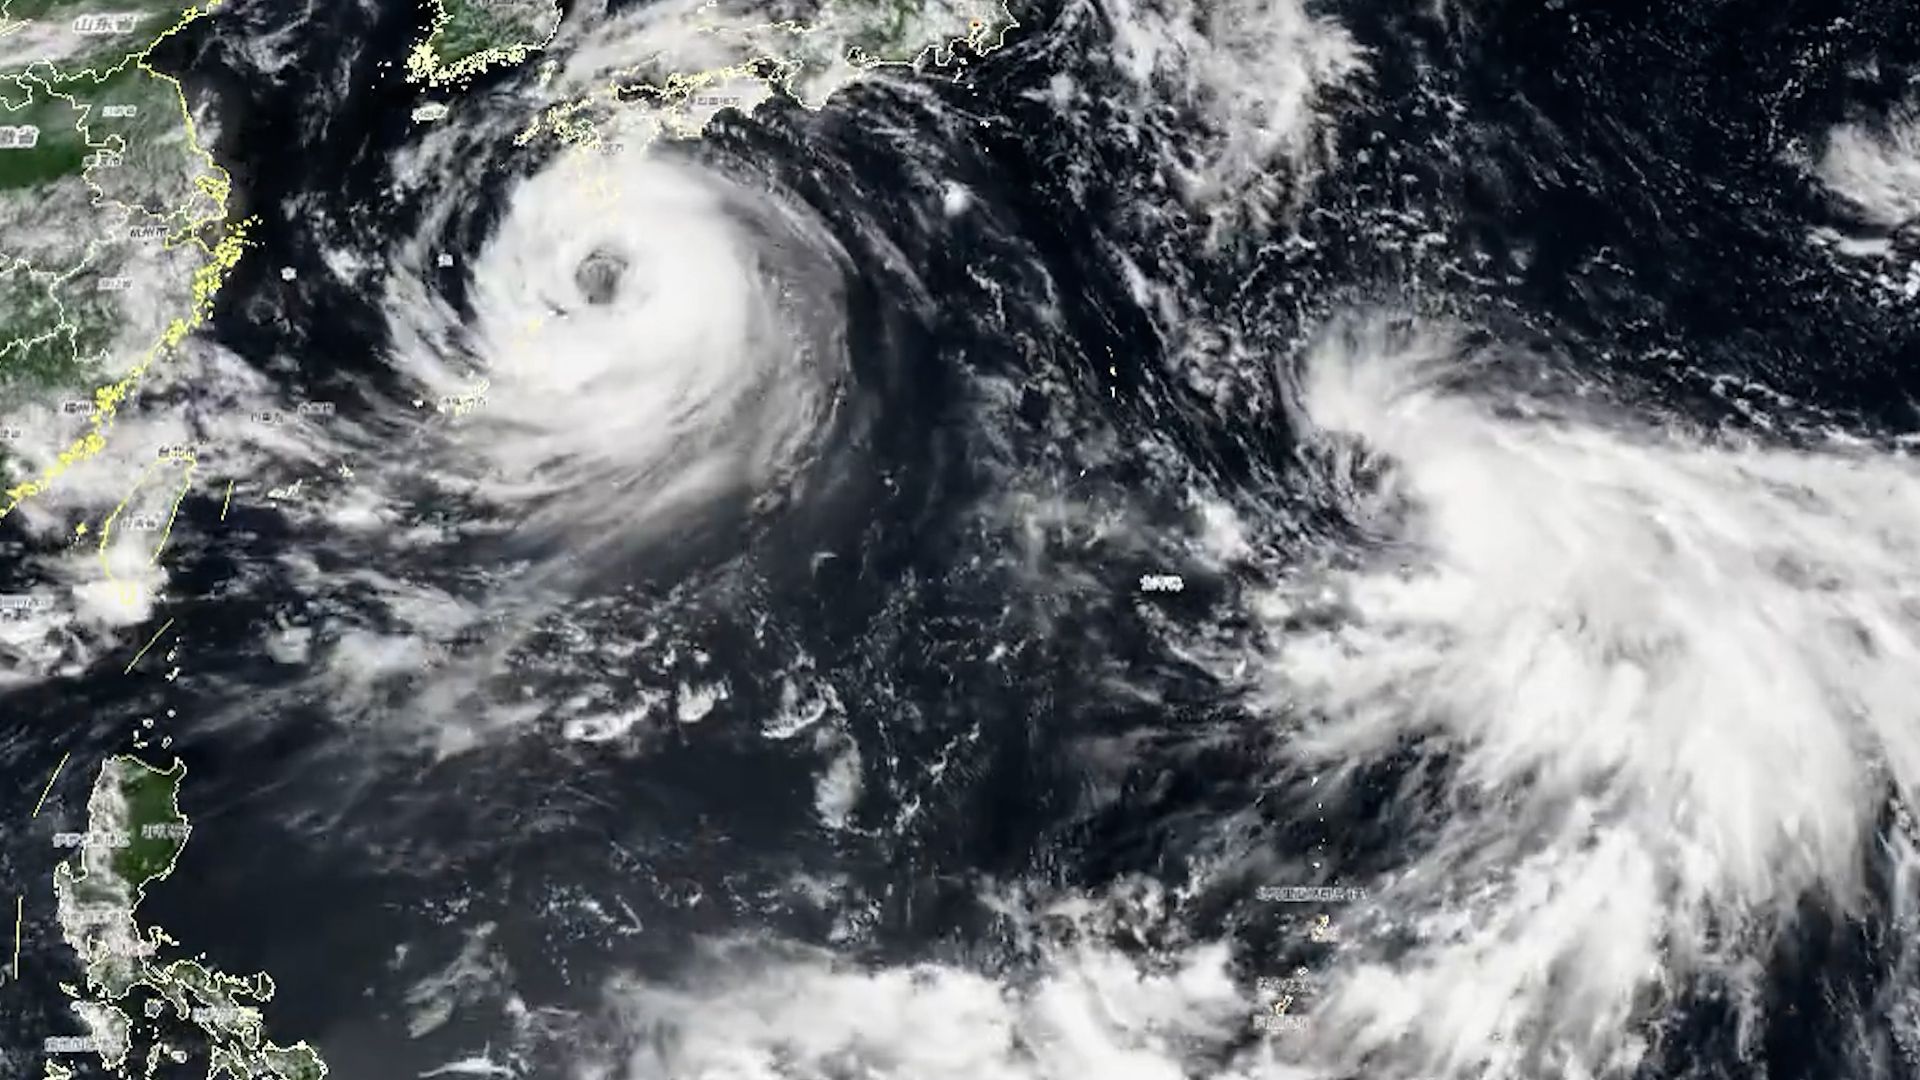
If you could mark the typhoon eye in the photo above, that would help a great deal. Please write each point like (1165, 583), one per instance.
(599, 276)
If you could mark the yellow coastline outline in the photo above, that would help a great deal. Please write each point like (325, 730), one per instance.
(223, 255)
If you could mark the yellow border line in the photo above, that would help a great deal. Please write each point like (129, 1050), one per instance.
(144, 648)
(186, 485)
(225, 501)
(216, 183)
(49, 788)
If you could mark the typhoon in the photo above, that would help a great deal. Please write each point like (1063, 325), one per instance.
(643, 333)
(1138, 539)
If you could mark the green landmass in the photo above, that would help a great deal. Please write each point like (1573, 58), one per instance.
(43, 341)
(68, 110)
(472, 28)
(142, 159)
(100, 891)
(296, 1062)
(60, 150)
(914, 31)
(884, 26)
(114, 151)
(51, 159)
(155, 825)
(465, 37)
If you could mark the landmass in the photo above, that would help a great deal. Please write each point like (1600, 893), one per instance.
(114, 225)
(810, 51)
(75, 35)
(115, 237)
(704, 57)
(466, 37)
(136, 998)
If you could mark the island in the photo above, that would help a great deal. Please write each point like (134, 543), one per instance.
(132, 977)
